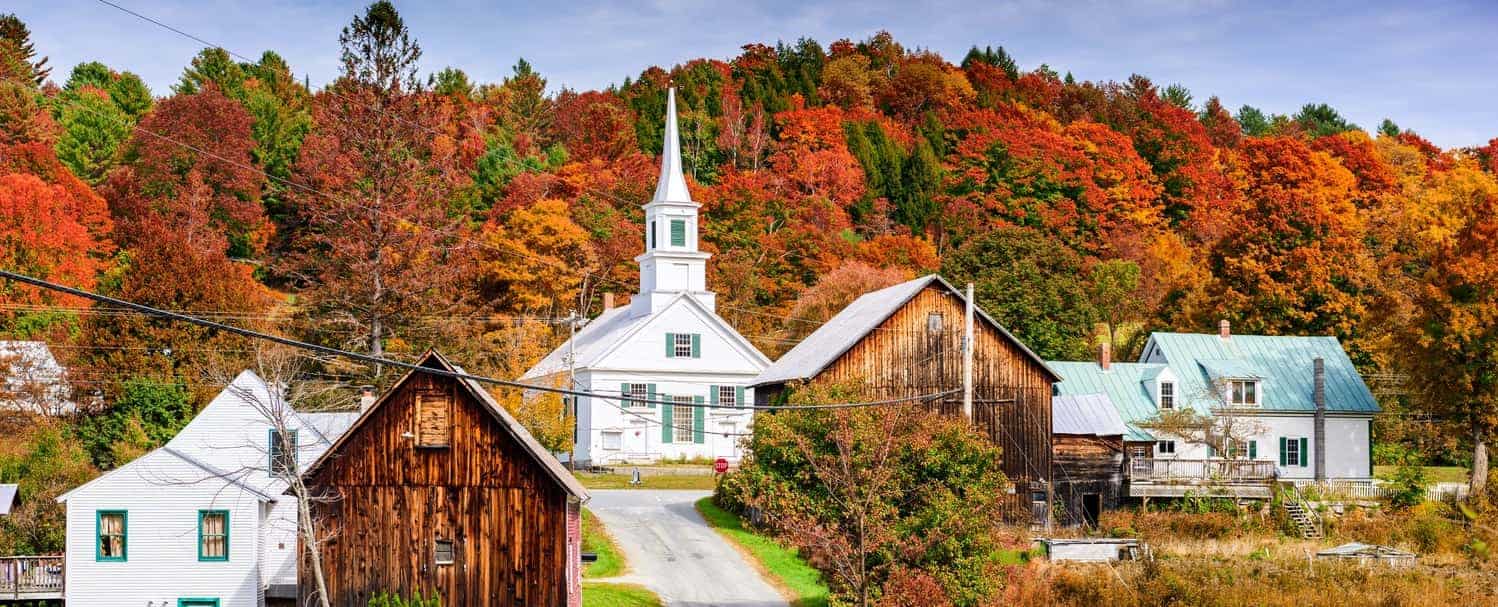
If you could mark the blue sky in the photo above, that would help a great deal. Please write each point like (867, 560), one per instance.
(1431, 68)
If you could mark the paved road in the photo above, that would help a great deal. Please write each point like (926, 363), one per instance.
(673, 552)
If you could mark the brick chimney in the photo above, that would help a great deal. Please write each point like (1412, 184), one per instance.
(366, 397)
(1224, 329)
(608, 301)
(1104, 355)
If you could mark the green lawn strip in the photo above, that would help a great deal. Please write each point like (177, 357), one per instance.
(1433, 474)
(601, 594)
(596, 539)
(799, 581)
(662, 481)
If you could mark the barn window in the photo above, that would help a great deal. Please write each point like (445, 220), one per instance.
(282, 449)
(213, 535)
(1167, 395)
(111, 527)
(433, 420)
(681, 414)
(444, 552)
(934, 322)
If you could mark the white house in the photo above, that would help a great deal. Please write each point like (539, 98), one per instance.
(201, 521)
(667, 344)
(1297, 401)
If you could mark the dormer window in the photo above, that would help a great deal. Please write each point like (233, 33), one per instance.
(1167, 395)
(1243, 392)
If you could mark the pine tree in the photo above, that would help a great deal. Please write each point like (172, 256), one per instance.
(18, 54)
(920, 181)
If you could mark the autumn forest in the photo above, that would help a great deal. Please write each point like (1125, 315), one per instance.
(402, 207)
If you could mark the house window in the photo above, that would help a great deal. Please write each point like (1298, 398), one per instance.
(684, 345)
(1293, 451)
(444, 552)
(1245, 392)
(678, 233)
(433, 420)
(1243, 450)
(636, 395)
(283, 448)
(1166, 447)
(197, 602)
(213, 535)
(1167, 395)
(111, 527)
(612, 441)
(681, 416)
(1139, 452)
(728, 396)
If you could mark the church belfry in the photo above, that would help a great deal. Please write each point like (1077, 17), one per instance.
(671, 263)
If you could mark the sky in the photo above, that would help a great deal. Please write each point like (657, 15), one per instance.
(1433, 69)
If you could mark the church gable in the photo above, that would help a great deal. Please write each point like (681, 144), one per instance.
(684, 336)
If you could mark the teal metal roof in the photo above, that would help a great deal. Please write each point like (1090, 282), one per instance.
(1231, 368)
(1122, 383)
(1283, 362)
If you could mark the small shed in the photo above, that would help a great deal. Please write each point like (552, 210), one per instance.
(7, 498)
(1093, 550)
(1369, 553)
(1087, 446)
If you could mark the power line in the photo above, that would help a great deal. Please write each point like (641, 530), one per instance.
(375, 360)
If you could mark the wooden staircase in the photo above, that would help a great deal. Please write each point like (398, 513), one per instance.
(1305, 518)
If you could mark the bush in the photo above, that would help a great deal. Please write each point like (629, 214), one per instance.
(395, 600)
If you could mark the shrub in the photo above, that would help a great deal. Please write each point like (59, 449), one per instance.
(395, 600)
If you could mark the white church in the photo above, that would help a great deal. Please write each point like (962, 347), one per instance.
(667, 345)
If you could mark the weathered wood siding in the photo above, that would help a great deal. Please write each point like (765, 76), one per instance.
(1087, 465)
(393, 500)
(1011, 391)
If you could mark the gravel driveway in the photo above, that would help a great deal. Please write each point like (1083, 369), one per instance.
(673, 552)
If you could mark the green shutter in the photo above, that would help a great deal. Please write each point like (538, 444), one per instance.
(623, 395)
(696, 345)
(650, 394)
(738, 396)
(1253, 449)
(678, 233)
(699, 421)
(666, 414)
(1283, 451)
(1302, 453)
(652, 234)
(670, 345)
(712, 395)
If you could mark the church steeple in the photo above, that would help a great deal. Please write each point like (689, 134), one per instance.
(671, 263)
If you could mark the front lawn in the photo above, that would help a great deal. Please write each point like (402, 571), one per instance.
(788, 572)
(600, 594)
(596, 539)
(659, 481)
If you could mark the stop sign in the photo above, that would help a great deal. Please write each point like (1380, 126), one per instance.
(720, 466)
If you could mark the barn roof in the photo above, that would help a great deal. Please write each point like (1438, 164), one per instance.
(435, 360)
(7, 498)
(1086, 414)
(835, 337)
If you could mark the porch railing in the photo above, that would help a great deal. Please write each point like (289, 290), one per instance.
(1198, 471)
(30, 576)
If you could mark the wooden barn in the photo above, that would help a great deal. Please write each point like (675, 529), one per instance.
(437, 489)
(906, 340)
(1087, 446)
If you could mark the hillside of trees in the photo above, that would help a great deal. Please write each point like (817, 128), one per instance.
(399, 208)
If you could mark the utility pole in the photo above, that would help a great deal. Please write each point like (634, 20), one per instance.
(967, 358)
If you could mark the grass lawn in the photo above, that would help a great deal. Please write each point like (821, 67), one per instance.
(599, 594)
(1434, 474)
(596, 539)
(796, 579)
(663, 481)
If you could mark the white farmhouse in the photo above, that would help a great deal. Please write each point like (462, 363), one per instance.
(201, 521)
(667, 344)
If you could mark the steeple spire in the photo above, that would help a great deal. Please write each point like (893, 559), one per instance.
(671, 186)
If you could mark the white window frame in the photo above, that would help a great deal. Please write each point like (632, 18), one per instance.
(728, 396)
(1160, 447)
(613, 440)
(1167, 395)
(1247, 396)
(637, 395)
(682, 418)
(682, 345)
(1292, 446)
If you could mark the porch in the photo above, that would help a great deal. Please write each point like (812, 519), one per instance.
(1151, 477)
(30, 578)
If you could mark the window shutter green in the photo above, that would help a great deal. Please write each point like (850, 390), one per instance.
(650, 394)
(1253, 449)
(699, 421)
(712, 395)
(678, 233)
(738, 396)
(696, 345)
(670, 345)
(1302, 453)
(1283, 450)
(623, 395)
(666, 423)
(652, 234)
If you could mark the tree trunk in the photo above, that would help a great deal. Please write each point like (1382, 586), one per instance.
(1479, 463)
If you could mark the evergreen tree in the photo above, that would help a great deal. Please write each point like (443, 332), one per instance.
(93, 128)
(18, 55)
(452, 82)
(1387, 128)
(996, 57)
(216, 66)
(1253, 121)
(1179, 96)
(1320, 119)
(378, 50)
(920, 181)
